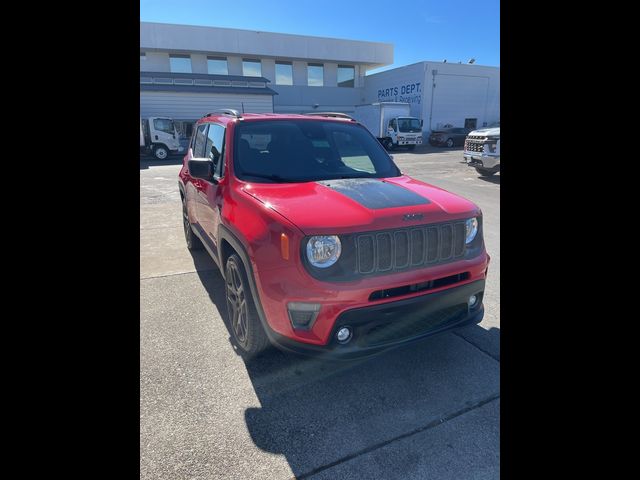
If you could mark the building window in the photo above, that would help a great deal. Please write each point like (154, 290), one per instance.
(217, 66)
(284, 73)
(180, 63)
(346, 76)
(251, 68)
(315, 75)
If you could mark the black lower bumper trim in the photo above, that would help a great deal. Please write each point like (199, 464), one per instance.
(386, 325)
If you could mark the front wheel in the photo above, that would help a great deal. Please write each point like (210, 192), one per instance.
(388, 144)
(193, 242)
(161, 152)
(246, 328)
(484, 172)
(449, 142)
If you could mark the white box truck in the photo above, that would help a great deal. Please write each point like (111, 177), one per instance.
(391, 123)
(159, 137)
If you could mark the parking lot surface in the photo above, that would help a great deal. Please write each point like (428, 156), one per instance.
(428, 410)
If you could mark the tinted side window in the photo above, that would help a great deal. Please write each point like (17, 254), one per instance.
(200, 140)
(392, 124)
(215, 146)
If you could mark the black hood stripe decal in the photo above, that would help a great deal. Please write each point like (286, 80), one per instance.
(374, 193)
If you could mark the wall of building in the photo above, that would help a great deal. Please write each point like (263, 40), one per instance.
(192, 106)
(189, 38)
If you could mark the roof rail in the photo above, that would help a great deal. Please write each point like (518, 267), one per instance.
(225, 111)
(332, 115)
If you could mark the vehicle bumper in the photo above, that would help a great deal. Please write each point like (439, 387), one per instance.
(483, 161)
(416, 141)
(380, 327)
(277, 287)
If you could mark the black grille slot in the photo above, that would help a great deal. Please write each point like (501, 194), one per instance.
(432, 244)
(417, 247)
(402, 249)
(418, 287)
(394, 250)
(366, 254)
(458, 233)
(384, 251)
(446, 244)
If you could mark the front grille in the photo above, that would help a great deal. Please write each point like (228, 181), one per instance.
(403, 249)
(474, 143)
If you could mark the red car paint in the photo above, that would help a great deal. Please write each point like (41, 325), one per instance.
(259, 213)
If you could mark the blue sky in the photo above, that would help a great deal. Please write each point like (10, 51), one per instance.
(455, 30)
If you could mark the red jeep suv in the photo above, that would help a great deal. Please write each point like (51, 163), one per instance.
(324, 245)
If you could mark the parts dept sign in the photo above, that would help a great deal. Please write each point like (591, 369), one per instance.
(408, 93)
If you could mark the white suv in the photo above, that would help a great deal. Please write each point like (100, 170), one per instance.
(482, 150)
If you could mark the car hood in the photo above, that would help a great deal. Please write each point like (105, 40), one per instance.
(362, 204)
(486, 131)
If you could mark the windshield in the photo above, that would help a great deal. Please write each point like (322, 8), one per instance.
(279, 151)
(409, 125)
(163, 125)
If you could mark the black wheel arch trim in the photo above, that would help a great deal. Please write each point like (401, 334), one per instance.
(224, 233)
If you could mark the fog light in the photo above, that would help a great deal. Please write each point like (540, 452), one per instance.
(302, 315)
(344, 334)
(473, 300)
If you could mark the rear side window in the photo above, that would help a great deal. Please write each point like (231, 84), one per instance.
(214, 146)
(199, 141)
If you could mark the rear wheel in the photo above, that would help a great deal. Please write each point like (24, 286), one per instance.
(246, 328)
(484, 172)
(449, 142)
(193, 242)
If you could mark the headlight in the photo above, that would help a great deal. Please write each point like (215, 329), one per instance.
(471, 229)
(323, 251)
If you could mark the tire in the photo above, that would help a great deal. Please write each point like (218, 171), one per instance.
(193, 242)
(161, 152)
(412, 147)
(484, 172)
(246, 329)
(449, 142)
(388, 144)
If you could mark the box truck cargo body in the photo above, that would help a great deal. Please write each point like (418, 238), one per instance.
(391, 123)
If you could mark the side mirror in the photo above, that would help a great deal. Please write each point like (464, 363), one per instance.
(421, 123)
(201, 169)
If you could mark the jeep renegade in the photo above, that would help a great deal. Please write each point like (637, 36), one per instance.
(324, 245)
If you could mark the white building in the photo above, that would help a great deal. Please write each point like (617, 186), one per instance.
(188, 71)
(440, 93)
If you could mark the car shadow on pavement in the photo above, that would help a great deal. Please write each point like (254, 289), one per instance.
(492, 179)
(146, 162)
(318, 413)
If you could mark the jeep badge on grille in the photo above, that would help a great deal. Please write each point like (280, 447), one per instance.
(413, 216)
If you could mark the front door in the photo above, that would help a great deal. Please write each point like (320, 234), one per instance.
(211, 206)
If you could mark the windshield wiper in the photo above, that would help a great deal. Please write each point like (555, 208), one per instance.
(276, 178)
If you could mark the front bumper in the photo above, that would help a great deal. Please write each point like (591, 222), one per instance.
(411, 141)
(484, 161)
(382, 326)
